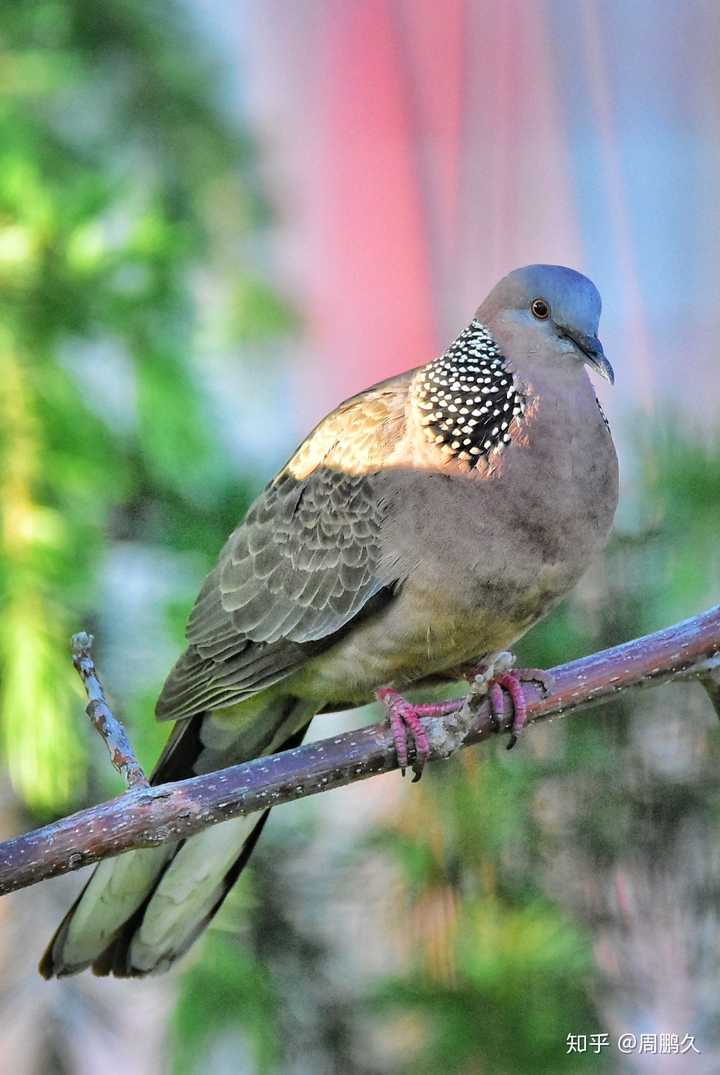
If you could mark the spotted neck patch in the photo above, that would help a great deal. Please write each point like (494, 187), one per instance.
(469, 396)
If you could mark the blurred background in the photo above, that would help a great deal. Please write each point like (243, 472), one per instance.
(217, 220)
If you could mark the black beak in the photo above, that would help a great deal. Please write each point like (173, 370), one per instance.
(593, 351)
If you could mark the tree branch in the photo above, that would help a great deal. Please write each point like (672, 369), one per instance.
(144, 817)
(101, 716)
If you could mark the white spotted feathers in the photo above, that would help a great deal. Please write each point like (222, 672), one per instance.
(469, 396)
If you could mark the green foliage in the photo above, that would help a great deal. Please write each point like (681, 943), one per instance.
(112, 154)
(511, 981)
(258, 313)
(518, 983)
(229, 990)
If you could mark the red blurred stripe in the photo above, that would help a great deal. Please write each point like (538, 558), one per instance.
(429, 157)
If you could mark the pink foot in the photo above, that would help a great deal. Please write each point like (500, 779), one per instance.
(512, 681)
(499, 675)
(405, 724)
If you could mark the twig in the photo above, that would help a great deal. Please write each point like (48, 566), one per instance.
(101, 717)
(149, 816)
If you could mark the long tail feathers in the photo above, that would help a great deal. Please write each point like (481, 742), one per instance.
(140, 912)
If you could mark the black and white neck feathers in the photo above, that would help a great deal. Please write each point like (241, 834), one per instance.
(469, 396)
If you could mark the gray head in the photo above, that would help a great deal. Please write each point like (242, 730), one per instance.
(558, 302)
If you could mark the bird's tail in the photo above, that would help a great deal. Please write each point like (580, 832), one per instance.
(141, 911)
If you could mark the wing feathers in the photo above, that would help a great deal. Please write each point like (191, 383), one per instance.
(303, 563)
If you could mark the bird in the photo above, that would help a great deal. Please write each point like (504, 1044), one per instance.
(420, 530)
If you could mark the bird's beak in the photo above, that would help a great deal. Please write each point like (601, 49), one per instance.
(593, 351)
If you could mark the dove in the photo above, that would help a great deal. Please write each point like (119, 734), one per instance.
(419, 531)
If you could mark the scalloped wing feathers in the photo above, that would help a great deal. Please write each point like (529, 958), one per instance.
(298, 569)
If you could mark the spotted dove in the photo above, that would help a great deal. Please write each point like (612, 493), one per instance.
(422, 527)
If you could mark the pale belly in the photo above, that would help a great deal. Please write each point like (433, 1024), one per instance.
(423, 634)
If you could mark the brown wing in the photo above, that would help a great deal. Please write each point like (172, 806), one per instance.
(298, 569)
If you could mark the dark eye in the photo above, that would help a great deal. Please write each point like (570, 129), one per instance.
(540, 309)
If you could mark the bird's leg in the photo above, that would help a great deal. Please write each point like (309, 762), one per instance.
(405, 721)
(489, 679)
(499, 675)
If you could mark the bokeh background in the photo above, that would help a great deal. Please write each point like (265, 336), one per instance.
(217, 220)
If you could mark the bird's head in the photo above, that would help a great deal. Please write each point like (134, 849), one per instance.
(561, 305)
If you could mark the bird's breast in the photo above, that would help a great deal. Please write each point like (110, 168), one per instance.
(473, 562)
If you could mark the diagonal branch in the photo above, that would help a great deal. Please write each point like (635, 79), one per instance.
(101, 716)
(145, 817)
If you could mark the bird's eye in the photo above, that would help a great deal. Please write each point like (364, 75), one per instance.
(540, 309)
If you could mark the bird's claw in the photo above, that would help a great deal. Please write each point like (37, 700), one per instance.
(500, 675)
(406, 724)
(405, 718)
